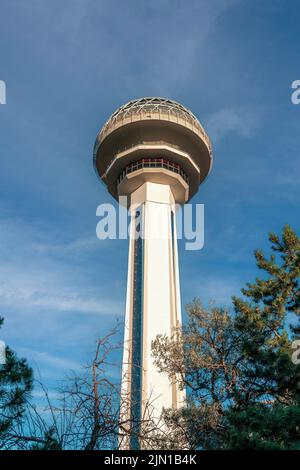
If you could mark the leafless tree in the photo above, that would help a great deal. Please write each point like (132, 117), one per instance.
(91, 412)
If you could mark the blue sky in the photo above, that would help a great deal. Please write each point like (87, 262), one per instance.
(67, 66)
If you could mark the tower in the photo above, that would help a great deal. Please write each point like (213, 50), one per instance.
(155, 152)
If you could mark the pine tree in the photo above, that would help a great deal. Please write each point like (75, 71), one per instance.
(237, 366)
(15, 386)
(267, 411)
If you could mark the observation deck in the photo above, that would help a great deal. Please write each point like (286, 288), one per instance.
(152, 128)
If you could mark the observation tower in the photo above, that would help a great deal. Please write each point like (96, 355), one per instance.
(155, 152)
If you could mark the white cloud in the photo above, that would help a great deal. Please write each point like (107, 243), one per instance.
(217, 290)
(41, 394)
(152, 44)
(45, 359)
(19, 293)
(181, 42)
(31, 276)
(226, 120)
(73, 247)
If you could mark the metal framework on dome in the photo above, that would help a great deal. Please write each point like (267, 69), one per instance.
(154, 105)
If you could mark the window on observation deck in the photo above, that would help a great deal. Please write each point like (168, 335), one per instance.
(153, 163)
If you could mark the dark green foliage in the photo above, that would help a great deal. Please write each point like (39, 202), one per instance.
(47, 442)
(261, 427)
(15, 387)
(244, 387)
(268, 409)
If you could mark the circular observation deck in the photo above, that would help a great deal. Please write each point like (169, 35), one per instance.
(153, 130)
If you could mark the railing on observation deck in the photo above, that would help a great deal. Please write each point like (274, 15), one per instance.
(153, 163)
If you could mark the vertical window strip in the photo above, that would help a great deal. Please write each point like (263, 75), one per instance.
(137, 333)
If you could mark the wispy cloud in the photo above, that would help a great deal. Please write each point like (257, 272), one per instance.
(213, 289)
(19, 295)
(233, 121)
(154, 45)
(36, 273)
(41, 394)
(74, 247)
(43, 358)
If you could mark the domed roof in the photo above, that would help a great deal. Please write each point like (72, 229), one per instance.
(153, 105)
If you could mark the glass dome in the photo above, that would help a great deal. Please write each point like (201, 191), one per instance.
(152, 105)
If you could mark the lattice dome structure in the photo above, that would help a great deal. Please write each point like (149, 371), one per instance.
(151, 105)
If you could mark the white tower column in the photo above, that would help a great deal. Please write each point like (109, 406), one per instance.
(155, 151)
(153, 301)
